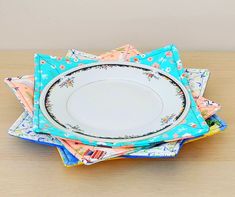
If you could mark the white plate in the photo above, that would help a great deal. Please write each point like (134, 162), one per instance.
(115, 101)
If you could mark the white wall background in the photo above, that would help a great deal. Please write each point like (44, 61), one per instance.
(105, 24)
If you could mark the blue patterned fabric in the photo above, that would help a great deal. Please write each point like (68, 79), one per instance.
(167, 59)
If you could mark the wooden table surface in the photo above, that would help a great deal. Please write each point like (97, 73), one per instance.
(203, 168)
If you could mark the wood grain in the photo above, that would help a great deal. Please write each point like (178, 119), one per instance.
(203, 168)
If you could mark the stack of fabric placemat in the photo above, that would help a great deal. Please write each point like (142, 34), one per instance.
(120, 104)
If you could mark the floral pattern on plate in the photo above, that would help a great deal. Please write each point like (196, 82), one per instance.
(56, 108)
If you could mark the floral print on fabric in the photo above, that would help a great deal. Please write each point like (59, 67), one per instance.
(71, 160)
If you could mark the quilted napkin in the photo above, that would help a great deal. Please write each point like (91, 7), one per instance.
(123, 53)
(90, 56)
(23, 128)
(216, 125)
(68, 159)
(207, 107)
(92, 154)
(167, 59)
(23, 89)
(193, 74)
(197, 79)
(74, 152)
(165, 150)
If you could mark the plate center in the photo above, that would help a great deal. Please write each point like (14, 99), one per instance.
(114, 106)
